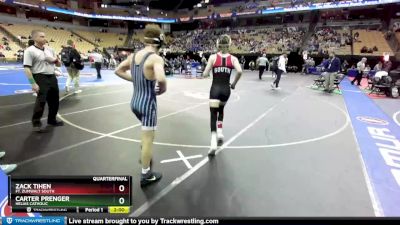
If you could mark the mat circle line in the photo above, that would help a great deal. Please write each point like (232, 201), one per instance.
(347, 122)
(395, 115)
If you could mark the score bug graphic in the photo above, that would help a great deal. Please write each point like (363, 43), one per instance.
(70, 194)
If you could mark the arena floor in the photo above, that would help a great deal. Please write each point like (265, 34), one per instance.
(292, 152)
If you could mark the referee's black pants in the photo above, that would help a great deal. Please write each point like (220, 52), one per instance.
(48, 92)
(261, 71)
(358, 78)
(97, 65)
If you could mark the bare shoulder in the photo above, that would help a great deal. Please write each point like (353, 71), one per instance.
(130, 57)
(212, 58)
(154, 59)
(234, 58)
(157, 58)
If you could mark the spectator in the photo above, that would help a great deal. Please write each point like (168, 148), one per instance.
(367, 69)
(332, 67)
(360, 70)
(71, 65)
(356, 36)
(364, 49)
(98, 60)
(387, 65)
(113, 62)
(345, 66)
(378, 66)
(2, 58)
(282, 61)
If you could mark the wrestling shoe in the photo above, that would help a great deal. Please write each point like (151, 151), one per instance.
(149, 178)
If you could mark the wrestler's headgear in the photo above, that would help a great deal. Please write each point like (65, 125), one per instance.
(224, 42)
(153, 35)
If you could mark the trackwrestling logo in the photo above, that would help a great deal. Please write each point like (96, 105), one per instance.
(11, 68)
(6, 210)
(372, 120)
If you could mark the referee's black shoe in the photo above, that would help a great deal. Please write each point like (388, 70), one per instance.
(56, 123)
(38, 128)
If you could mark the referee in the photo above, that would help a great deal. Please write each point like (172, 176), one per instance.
(98, 60)
(39, 64)
(262, 63)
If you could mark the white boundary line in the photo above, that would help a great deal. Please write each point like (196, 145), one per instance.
(20, 104)
(341, 129)
(185, 160)
(180, 158)
(10, 84)
(138, 141)
(101, 135)
(8, 72)
(376, 205)
(70, 113)
(62, 98)
(395, 118)
(80, 95)
(352, 91)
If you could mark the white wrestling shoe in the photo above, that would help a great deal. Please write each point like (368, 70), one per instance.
(8, 168)
(220, 136)
(213, 145)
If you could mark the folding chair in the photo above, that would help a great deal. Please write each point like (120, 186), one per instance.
(382, 86)
(339, 78)
(394, 90)
(319, 82)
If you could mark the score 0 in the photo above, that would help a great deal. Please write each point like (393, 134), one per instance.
(122, 188)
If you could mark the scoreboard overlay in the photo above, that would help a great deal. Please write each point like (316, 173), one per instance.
(70, 194)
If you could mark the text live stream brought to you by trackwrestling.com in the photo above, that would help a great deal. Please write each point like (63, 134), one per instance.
(58, 220)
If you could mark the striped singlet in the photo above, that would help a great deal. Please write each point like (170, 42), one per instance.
(144, 101)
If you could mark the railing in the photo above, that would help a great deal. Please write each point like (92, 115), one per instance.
(84, 38)
(13, 37)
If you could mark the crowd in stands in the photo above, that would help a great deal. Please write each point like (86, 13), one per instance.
(393, 29)
(244, 40)
(365, 49)
(328, 38)
(252, 5)
(255, 5)
(5, 44)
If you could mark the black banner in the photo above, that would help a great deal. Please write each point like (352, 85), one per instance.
(231, 221)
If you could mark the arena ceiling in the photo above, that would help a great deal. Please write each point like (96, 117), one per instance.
(156, 4)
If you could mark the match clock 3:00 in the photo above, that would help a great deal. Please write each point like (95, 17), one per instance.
(119, 209)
